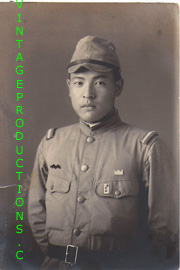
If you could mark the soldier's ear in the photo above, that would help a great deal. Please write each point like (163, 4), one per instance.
(119, 87)
(68, 84)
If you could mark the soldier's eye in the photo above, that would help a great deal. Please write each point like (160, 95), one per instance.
(78, 83)
(100, 83)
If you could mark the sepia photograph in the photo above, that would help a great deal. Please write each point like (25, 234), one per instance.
(89, 136)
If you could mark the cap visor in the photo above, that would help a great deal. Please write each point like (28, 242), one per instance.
(90, 66)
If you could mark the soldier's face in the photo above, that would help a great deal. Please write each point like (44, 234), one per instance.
(92, 94)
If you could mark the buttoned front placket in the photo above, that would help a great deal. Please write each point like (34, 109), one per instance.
(84, 164)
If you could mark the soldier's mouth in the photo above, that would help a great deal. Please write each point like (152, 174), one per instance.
(88, 106)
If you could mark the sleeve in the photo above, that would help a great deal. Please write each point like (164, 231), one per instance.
(160, 179)
(36, 199)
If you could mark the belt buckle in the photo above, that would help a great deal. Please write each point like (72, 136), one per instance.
(71, 254)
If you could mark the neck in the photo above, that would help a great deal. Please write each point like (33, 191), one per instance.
(105, 118)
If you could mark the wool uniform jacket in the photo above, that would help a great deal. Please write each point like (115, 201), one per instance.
(88, 186)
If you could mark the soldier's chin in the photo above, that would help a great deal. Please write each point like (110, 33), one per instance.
(89, 117)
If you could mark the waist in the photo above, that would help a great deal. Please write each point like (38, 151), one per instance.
(71, 254)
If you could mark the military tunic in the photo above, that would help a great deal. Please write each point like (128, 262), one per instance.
(87, 183)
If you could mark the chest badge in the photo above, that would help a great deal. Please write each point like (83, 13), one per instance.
(118, 172)
(106, 189)
(53, 166)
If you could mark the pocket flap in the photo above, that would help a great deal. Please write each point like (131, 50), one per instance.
(117, 189)
(57, 184)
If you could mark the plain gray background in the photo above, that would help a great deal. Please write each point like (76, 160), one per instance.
(146, 38)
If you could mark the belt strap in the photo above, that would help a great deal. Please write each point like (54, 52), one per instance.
(56, 252)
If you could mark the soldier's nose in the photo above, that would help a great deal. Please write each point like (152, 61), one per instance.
(89, 92)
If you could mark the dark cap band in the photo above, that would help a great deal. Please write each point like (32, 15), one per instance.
(96, 62)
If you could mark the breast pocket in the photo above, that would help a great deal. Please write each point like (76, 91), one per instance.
(115, 206)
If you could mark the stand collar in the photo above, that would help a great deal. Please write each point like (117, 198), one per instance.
(108, 122)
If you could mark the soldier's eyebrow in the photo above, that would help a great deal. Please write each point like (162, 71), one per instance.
(78, 77)
(94, 78)
(100, 77)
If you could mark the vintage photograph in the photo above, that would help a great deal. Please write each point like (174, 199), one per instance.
(89, 136)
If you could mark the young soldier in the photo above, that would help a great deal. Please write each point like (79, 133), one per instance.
(101, 186)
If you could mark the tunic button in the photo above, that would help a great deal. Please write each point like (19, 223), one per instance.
(90, 139)
(81, 199)
(84, 168)
(117, 192)
(77, 232)
(52, 186)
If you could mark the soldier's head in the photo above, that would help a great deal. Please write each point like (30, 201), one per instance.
(94, 78)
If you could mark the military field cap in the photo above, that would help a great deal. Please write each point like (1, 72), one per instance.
(96, 54)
